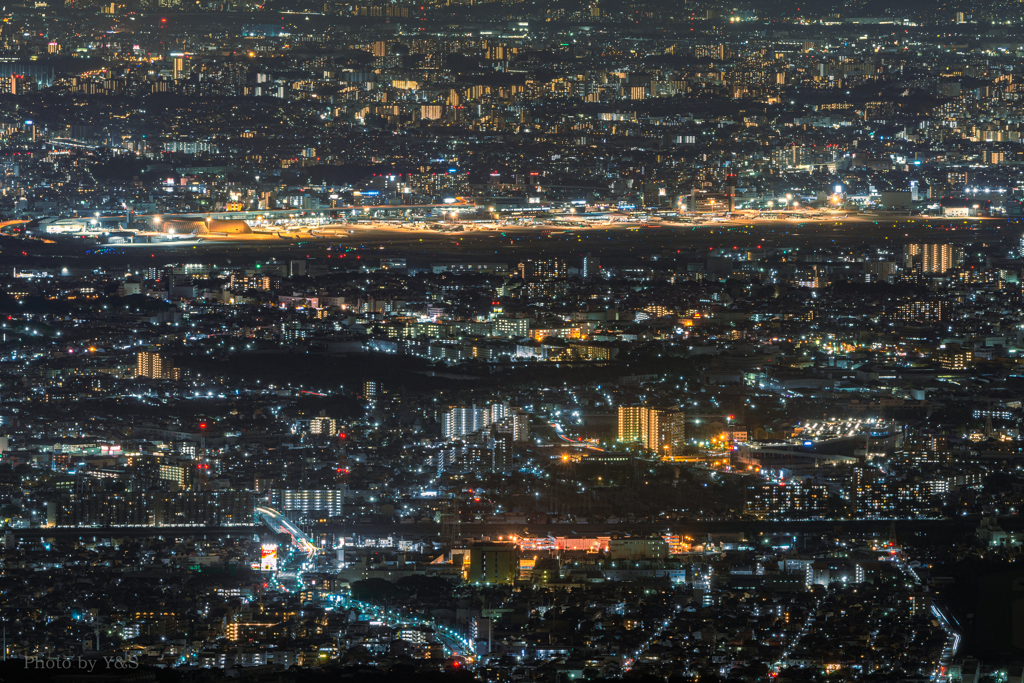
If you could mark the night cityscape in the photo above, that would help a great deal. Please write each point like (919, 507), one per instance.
(494, 341)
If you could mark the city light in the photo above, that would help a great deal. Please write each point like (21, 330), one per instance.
(593, 341)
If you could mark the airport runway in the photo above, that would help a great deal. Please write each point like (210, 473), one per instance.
(618, 241)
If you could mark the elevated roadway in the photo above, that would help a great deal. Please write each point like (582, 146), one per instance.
(276, 521)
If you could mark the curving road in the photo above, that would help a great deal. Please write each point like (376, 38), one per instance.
(276, 521)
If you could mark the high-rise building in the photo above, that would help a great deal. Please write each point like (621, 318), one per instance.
(156, 366)
(502, 447)
(511, 327)
(658, 430)
(938, 258)
(477, 457)
(307, 501)
(543, 269)
(242, 282)
(632, 423)
(665, 432)
(192, 508)
(879, 271)
(499, 411)
(520, 421)
(788, 500)
(176, 475)
(493, 563)
(717, 52)
(955, 357)
(460, 421)
(444, 458)
(158, 508)
(934, 258)
(924, 310)
(325, 426)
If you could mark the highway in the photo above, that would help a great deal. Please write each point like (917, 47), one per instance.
(453, 642)
(282, 525)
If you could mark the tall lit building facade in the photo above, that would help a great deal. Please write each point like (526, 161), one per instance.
(323, 426)
(788, 500)
(543, 269)
(461, 421)
(660, 430)
(370, 390)
(153, 365)
(934, 258)
(632, 423)
(307, 501)
(924, 310)
(938, 258)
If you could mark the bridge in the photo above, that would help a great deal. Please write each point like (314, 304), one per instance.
(276, 521)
